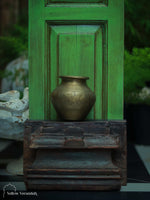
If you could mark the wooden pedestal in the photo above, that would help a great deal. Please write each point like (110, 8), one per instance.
(89, 155)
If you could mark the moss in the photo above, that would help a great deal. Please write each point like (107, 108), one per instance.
(137, 74)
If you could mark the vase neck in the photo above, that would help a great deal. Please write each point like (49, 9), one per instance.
(75, 79)
(72, 80)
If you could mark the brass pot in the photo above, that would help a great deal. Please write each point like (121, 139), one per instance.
(73, 99)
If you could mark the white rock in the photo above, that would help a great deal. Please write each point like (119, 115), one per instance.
(5, 114)
(7, 96)
(25, 115)
(16, 104)
(17, 77)
(13, 114)
(11, 130)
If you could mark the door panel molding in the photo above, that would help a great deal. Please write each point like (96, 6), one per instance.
(87, 44)
(49, 2)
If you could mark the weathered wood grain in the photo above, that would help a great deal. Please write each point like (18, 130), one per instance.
(85, 155)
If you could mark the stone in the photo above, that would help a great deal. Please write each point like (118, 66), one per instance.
(13, 113)
(7, 96)
(17, 78)
(15, 105)
(5, 114)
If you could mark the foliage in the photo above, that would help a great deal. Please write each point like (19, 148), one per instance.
(137, 74)
(13, 45)
(137, 24)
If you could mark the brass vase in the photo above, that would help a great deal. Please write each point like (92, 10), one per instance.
(73, 99)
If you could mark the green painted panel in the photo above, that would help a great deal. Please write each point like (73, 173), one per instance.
(96, 35)
(79, 13)
(115, 61)
(36, 63)
(77, 50)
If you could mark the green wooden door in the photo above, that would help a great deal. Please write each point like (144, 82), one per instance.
(76, 37)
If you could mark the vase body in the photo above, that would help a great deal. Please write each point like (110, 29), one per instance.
(73, 99)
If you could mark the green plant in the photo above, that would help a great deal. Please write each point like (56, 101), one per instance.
(13, 45)
(137, 74)
(137, 25)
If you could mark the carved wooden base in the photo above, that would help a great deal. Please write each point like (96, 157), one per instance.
(89, 155)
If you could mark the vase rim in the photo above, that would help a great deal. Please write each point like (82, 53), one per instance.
(75, 77)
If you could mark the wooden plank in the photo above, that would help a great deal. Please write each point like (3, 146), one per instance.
(79, 184)
(48, 61)
(53, 67)
(98, 73)
(36, 61)
(73, 159)
(79, 13)
(115, 60)
(52, 142)
(35, 176)
(63, 171)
